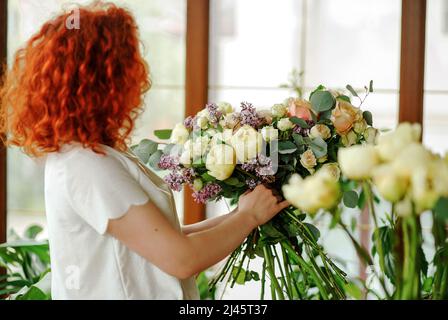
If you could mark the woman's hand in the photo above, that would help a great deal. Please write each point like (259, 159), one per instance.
(261, 205)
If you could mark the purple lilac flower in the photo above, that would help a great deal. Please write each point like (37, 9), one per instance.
(189, 122)
(208, 192)
(189, 175)
(302, 131)
(250, 165)
(252, 183)
(168, 162)
(213, 113)
(249, 115)
(175, 180)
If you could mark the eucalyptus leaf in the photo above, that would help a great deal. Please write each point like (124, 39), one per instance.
(145, 149)
(322, 101)
(352, 91)
(371, 86)
(286, 147)
(154, 160)
(367, 115)
(300, 122)
(163, 134)
(318, 146)
(350, 199)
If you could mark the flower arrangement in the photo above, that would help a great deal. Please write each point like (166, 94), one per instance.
(221, 153)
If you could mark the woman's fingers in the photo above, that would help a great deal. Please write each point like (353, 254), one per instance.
(283, 205)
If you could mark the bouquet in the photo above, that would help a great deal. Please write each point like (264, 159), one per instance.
(221, 153)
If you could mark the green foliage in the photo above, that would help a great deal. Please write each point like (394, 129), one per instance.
(163, 134)
(322, 101)
(351, 199)
(26, 261)
(205, 292)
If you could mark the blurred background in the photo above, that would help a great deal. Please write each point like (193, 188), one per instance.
(253, 47)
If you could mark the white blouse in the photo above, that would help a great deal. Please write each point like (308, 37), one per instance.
(83, 191)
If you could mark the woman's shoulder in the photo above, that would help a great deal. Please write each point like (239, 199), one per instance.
(81, 159)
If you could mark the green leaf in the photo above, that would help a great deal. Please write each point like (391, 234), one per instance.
(319, 88)
(300, 122)
(353, 290)
(322, 101)
(427, 285)
(163, 134)
(367, 115)
(255, 276)
(298, 139)
(371, 86)
(145, 149)
(154, 160)
(318, 146)
(207, 178)
(350, 199)
(239, 274)
(345, 98)
(232, 181)
(352, 91)
(34, 293)
(441, 208)
(314, 231)
(286, 147)
(32, 231)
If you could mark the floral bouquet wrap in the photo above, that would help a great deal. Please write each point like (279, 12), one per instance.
(221, 153)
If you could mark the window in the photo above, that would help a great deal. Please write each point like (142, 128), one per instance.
(255, 44)
(436, 84)
(162, 29)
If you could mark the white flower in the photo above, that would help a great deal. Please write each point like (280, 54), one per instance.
(180, 134)
(410, 157)
(224, 136)
(392, 143)
(404, 207)
(225, 108)
(320, 131)
(349, 139)
(370, 135)
(197, 184)
(333, 169)
(202, 122)
(221, 161)
(200, 146)
(390, 184)
(279, 110)
(186, 155)
(247, 143)
(269, 133)
(229, 121)
(308, 160)
(357, 162)
(284, 124)
(318, 191)
(423, 193)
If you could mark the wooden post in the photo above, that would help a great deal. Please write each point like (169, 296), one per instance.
(196, 81)
(412, 60)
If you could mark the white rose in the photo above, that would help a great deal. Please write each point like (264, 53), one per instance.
(360, 126)
(200, 146)
(221, 161)
(390, 184)
(318, 191)
(202, 122)
(403, 208)
(333, 169)
(320, 131)
(179, 134)
(370, 135)
(422, 189)
(410, 157)
(224, 136)
(269, 133)
(279, 110)
(186, 155)
(349, 139)
(284, 124)
(308, 160)
(225, 108)
(357, 162)
(247, 142)
(229, 121)
(392, 143)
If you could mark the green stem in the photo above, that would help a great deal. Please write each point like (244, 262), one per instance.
(263, 280)
(271, 270)
(283, 277)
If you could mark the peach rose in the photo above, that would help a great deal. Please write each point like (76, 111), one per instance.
(300, 108)
(344, 116)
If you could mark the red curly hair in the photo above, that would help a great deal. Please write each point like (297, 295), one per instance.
(81, 85)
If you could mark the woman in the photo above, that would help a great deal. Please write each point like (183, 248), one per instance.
(73, 96)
